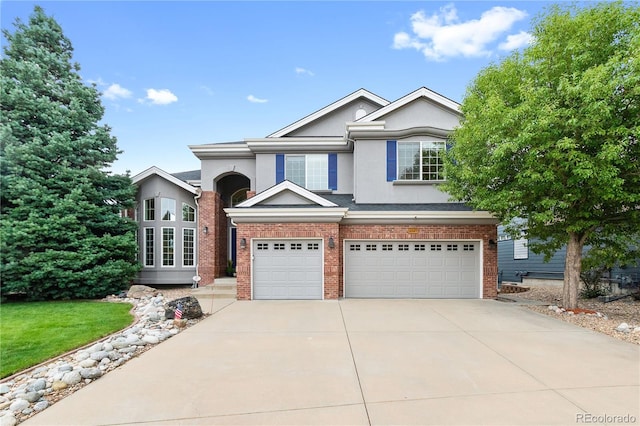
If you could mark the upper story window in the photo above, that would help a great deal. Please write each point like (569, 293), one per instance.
(188, 213)
(168, 206)
(421, 161)
(149, 209)
(309, 171)
(316, 172)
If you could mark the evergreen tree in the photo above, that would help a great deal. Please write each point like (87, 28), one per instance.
(61, 233)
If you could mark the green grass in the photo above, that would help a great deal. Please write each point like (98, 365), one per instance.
(31, 333)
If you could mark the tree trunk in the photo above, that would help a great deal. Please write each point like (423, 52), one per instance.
(572, 269)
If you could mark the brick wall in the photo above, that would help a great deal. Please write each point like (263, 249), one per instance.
(434, 232)
(332, 259)
(212, 247)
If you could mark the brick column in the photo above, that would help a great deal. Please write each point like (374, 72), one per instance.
(209, 246)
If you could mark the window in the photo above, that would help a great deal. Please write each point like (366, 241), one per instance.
(148, 246)
(309, 171)
(263, 246)
(371, 247)
(278, 246)
(149, 209)
(421, 161)
(387, 247)
(403, 247)
(313, 246)
(521, 248)
(436, 247)
(468, 247)
(188, 247)
(296, 246)
(168, 209)
(419, 247)
(188, 213)
(452, 247)
(354, 247)
(167, 247)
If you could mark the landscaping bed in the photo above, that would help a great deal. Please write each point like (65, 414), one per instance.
(625, 310)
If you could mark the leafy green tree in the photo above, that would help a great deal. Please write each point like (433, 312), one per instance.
(61, 233)
(551, 135)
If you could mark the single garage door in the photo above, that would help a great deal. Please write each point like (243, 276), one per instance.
(287, 269)
(412, 269)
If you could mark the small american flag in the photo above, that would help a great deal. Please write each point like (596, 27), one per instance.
(178, 312)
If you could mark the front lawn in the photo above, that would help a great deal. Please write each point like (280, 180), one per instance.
(31, 333)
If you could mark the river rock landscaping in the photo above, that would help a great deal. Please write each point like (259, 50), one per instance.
(33, 390)
(619, 318)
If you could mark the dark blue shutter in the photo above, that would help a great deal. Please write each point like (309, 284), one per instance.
(279, 168)
(392, 163)
(333, 171)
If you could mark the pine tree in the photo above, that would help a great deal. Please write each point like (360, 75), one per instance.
(61, 233)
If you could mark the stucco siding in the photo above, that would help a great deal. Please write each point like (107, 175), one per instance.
(371, 186)
(213, 169)
(333, 124)
(421, 113)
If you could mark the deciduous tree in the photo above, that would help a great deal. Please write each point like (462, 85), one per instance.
(552, 135)
(61, 233)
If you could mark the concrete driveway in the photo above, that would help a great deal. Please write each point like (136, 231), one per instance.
(361, 362)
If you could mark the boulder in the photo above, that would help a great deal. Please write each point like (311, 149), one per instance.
(190, 308)
(140, 291)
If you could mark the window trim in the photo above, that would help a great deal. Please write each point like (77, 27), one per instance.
(398, 167)
(194, 212)
(193, 248)
(173, 257)
(145, 252)
(146, 210)
(175, 207)
(326, 182)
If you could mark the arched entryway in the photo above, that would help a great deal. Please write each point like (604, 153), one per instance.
(233, 189)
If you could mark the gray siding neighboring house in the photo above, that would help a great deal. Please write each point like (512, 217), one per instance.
(166, 213)
(516, 262)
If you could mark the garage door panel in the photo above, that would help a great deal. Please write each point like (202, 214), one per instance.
(399, 269)
(287, 269)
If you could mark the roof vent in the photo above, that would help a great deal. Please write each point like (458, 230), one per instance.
(361, 112)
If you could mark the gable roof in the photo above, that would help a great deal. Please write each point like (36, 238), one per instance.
(137, 179)
(287, 186)
(361, 93)
(422, 92)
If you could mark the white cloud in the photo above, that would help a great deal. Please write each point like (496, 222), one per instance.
(255, 100)
(300, 70)
(115, 91)
(516, 41)
(442, 35)
(208, 90)
(161, 97)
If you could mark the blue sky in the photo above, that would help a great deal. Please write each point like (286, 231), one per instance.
(178, 73)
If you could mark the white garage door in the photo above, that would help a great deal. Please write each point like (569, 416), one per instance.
(412, 269)
(287, 269)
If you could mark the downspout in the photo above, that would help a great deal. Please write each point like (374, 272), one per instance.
(196, 197)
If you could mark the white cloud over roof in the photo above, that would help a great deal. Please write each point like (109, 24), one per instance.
(115, 91)
(161, 97)
(443, 35)
(255, 100)
(300, 70)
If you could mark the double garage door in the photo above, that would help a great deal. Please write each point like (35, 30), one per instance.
(412, 269)
(293, 269)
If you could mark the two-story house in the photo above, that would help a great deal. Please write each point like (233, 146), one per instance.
(345, 202)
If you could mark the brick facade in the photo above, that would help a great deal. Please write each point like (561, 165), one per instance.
(212, 247)
(333, 257)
